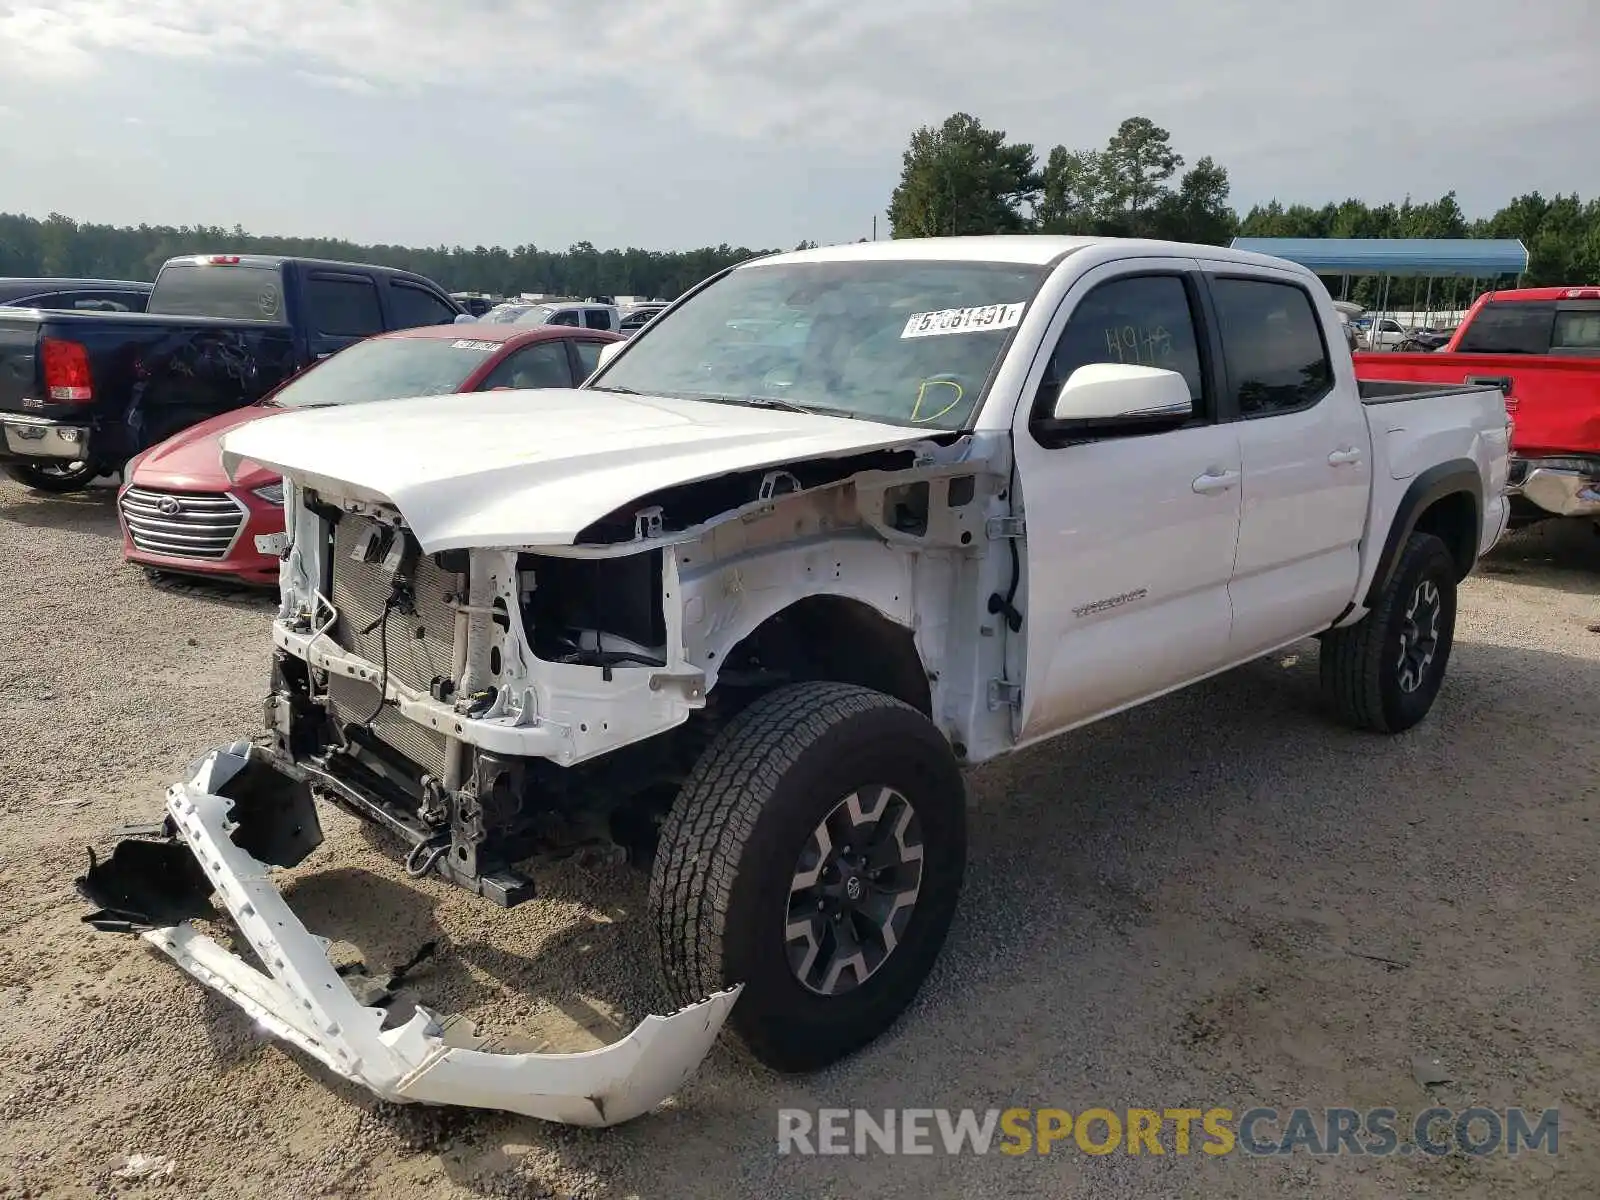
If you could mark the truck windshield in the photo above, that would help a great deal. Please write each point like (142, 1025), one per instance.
(233, 291)
(904, 342)
(387, 369)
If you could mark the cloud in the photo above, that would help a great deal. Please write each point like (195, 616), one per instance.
(1358, 102)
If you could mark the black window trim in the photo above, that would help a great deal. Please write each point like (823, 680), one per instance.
(1229, 388)
(1050, 434)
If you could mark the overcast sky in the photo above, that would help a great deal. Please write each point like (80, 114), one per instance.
(677, 123)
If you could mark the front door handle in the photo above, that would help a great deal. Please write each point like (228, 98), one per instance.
(1344, 456)
(1215, 481)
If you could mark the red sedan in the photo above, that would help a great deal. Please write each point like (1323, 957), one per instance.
(180, 512)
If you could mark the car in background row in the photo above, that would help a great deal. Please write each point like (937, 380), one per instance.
(637, 317)
(83, 392)
(76, 295)
(472, 303)
(576, 314)
(1541, 346)
(182, 515)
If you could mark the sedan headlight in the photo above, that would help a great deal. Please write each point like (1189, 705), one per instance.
(272, 493)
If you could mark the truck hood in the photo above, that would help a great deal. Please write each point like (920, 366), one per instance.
(534, 468)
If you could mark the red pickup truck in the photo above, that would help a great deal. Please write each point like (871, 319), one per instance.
(1542, 347)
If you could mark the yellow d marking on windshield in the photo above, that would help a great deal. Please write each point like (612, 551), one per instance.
(922, 393)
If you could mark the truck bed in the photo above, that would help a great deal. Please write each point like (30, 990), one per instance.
(1397, 391)
(1554, 399)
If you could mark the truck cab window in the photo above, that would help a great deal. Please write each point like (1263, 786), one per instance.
(1142, 320)
(1272, 345)
(412, 306)
(344, 306)
(566, 316)
(1577, 331)
(597, 318)
(1510, 327)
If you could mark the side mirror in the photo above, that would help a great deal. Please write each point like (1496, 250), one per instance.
(1120, 394)
(607, 352)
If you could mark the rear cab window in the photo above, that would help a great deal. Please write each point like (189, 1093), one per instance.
(1577, 330)
(1509, 327)
(231, 291)
(597, 318)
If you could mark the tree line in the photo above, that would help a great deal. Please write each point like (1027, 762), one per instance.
(960, 177)
(60, 246)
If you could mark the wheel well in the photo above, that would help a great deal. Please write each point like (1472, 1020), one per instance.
(1453, 519)
(832, 638)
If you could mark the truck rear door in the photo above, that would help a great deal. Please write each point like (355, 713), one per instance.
(1307, 456)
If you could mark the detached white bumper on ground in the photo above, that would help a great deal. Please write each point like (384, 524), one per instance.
(304, 1000)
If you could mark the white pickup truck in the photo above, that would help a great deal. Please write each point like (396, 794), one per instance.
(835, 525)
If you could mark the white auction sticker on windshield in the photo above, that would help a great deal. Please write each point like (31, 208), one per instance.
(963, 320)
(467, 344)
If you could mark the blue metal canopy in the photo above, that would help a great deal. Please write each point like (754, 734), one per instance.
(1420, 257)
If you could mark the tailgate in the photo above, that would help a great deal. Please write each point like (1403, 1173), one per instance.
(19, 361)
(1554, 402)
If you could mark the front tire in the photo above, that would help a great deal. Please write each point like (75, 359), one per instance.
(815, 855)
(1383, 673)
(57, 480)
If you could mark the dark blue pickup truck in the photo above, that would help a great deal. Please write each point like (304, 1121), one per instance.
(83, 392)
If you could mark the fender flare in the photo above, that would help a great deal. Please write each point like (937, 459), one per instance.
(1443, 479)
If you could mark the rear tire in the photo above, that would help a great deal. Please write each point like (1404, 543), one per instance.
(58, 481)
(753, 884)
(1383, 673)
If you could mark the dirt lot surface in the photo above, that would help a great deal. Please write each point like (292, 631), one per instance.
(1220, 900)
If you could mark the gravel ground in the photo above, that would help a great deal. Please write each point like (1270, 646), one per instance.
(1218, 900)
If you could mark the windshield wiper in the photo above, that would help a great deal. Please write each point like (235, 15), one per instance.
(763, 402)
(621, 391)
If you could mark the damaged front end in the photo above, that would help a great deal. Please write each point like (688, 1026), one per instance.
(238, 813)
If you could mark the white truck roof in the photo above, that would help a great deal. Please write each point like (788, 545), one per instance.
(1026, 248)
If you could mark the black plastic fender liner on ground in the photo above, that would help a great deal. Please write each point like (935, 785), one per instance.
(152, 880)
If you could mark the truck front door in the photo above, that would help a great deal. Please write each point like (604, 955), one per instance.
(341, 308)
(1129, 539)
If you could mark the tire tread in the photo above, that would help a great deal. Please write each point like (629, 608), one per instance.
(705, 832)
(1351, 659)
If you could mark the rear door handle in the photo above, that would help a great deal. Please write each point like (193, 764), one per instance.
(1344, 456)
(1215, 481)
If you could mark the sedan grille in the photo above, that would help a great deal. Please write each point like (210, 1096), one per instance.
(199, 525)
